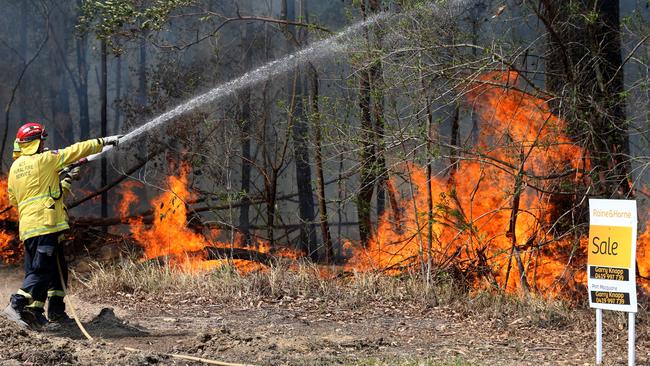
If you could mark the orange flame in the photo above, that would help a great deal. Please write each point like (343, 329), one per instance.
(642, 253)
(170, 237)
(169, 234)
(6, 252)
(9, 245)
(129, 197)
(476, 222)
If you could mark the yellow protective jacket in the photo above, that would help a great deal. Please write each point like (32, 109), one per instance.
(34, 188)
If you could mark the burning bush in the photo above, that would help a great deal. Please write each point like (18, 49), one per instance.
(494, 219)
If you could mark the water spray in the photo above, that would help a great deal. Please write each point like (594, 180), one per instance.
(313, 52)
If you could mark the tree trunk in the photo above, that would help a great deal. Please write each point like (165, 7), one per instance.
(271, 188)
(244, 219)
(22, 48)
(270, 170)
(373, 166)
(118, 94)
(58, 87)
(584, 68)
(63, 101)
(377, 93)
(320, 180)
(300, 133)
(512, 229)
(104, 123)
(142, 74)
(142, 103)
(245, 121)
(84, 109)
(454, 142)
(429, 172)
(82, 91)
(476, 18)
(366, 170)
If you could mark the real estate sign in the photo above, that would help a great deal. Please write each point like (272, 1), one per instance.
(612, 255)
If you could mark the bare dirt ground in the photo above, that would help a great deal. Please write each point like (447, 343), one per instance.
(297, 331)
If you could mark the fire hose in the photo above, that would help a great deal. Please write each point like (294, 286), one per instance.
(83, 330)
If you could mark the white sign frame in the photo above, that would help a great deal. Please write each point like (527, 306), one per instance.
(619, 213)
(615, 213)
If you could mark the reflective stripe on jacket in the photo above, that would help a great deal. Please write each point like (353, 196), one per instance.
(34, 188)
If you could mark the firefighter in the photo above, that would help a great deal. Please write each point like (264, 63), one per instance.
(35, 190)
(56, 291)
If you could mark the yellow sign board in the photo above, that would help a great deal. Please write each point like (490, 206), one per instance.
(610, 246)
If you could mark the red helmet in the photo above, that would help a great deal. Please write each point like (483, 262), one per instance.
(30, 132)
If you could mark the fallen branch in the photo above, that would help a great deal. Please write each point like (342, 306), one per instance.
(192, 358)
(239, 253)
(218, 253)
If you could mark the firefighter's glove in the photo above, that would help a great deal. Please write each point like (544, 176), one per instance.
(64, 173)
(69, 174)
(74, 173)
(112, 140)
(64, 176)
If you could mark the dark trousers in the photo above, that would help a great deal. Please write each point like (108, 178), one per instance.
(41, 271)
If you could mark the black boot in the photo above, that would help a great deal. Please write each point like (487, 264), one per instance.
(15, 311)
(38, 314)
(21, 313)
(56, 310)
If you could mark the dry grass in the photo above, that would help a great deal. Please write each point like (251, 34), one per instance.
(305, 281)
(225, 284)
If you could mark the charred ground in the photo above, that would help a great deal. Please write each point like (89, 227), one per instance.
(294, 326)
